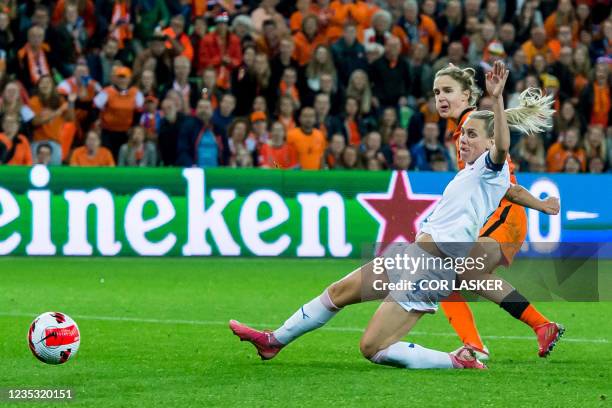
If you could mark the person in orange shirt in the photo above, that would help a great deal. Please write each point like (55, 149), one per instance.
(359, 11)
(303, 8)
(92, 154)
(14, 148)
(178, 41)
(559, 152)
(309, 142)
(563, 39)
(53, 120)
(564, 16)
(536, 45)
(307, 40)
(118, 104)
(421, 28)
(276, 153)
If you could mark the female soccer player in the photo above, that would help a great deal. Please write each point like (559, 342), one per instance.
(486, 178)
(502, 236)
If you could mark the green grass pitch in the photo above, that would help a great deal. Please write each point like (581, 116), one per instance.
(154, 333)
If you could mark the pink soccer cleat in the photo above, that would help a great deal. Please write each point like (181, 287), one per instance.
(465, 357)
(265, 343)
(548, 335)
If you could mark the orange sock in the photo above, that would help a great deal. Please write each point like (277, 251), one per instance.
(532, 317)
(460, 317)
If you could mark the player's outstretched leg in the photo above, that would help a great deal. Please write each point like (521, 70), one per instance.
(460, 317)
(509, 299)
(353, 288)
(381, 343)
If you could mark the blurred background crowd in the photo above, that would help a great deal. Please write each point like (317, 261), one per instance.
(305, 84)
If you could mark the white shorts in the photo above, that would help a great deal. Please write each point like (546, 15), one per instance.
(421, 279)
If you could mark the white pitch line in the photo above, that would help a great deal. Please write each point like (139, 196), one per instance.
(337, 329)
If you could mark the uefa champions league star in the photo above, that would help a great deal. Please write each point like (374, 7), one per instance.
(473, 194)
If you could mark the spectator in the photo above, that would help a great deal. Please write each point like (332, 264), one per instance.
(302, 9)
(115, 20)
(197, 145)
(269, 42)
(178, 41)
(351, 159)
(307, 40)
(44, 153)
(420, 28)
(374, 51)
(528, 18)
(326, 123)
(572, 165)
(85, 10)
(595, 143)
(34, 59)
(261, 68)
(399, 140)
(529, 152)
(189, 91)
(566, 118)
(596, 165)
(118, 104)
(387, 123)
(259, 128)
(52, 120)
(85, 88)
(373, 164)
(382, 29)
(603, 46)
(359, 88)
(244, 83)
(421, 71)
(259, 104)
(536, 45)
(456, 56)
(169, 128)
(402, 159)
(156, 57)
(210, 90)
(70, 39)
(223, 115)
(564, 38)
(390, 77)
(559, 152)
(372, 148)
(352, 126)
(286, 112)
(439, 162)
(333, 154)
(238, 133)
(277, 153)
(564, 16)
(137, 152)
(581, 70)
(147, 84)
(507, 37)
(288, 86)
(150, 14)
(348, 54)
(221, 50)
(12, 101)
(282, 61)
(92, 154)
(595, 99)
(243, 28)
(101, 64)
(451, 23)
(321, 63)
(14, 148)
(429, 147)
(308, 142)
(199, 30)
(150, 118)
(267, 11)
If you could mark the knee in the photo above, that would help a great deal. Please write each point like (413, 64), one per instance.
(339, 292)
(368, 348)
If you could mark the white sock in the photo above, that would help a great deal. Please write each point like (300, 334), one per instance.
(410, 355)
(312, 315)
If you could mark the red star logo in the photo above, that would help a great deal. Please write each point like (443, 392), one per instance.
(398, 211)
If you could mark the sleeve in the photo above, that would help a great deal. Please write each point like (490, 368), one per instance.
(490, 165)
(100, 99)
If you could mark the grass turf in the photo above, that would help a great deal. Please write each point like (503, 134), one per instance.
(178, 352)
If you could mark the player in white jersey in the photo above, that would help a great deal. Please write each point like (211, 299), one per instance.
(447, 234)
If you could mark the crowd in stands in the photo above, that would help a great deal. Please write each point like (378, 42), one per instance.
(304, 84)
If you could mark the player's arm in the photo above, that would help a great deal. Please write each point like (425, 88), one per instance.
(495, 81)
(517, 194)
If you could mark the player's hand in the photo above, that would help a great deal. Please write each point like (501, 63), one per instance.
(496, 79)
(551, 206)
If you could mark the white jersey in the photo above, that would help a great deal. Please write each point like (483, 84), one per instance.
(468, 200)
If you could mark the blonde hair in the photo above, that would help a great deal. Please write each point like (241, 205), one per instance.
(465, 77)
(365, 96)
(533, 115)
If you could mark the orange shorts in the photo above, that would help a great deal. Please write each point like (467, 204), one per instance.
(508, 226)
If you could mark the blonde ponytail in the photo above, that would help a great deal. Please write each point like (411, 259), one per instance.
(533, 115)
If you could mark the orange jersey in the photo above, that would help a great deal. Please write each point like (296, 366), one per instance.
(309, 147)
(22, 156)
(80, 157)
(282, 157)
(508, 224)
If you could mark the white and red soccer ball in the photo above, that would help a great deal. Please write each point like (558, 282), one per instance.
(54, 338)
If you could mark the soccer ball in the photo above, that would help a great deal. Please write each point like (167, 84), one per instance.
(54, 338)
